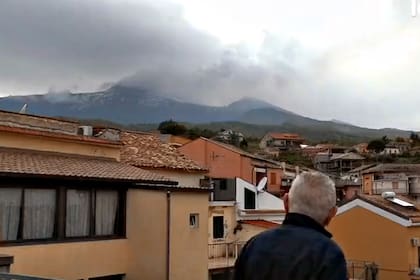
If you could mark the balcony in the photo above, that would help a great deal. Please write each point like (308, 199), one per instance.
(362, 270)
(223, 255)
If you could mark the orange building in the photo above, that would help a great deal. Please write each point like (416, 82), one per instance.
(228, 162)
(380, 230)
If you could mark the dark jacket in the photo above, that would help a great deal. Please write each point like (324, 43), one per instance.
(300, 249)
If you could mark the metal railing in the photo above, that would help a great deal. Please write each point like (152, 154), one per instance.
(8, 276)
(222, 255)
(362, 270)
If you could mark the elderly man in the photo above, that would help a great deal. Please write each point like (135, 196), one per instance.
(301, 248)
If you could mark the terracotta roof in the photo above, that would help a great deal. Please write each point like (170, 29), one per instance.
(285, 136)
(35, 163)
(409, 213)
(261, 223)
(148, 151)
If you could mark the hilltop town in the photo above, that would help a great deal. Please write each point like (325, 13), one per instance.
(209, 140)
(145, 202)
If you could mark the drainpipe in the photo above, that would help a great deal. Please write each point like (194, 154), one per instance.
(168, 234)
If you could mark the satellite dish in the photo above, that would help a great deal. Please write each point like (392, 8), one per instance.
(261, 184)
(23, 110)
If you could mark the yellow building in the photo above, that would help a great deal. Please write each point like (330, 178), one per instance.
(385, 231)
(70, 210)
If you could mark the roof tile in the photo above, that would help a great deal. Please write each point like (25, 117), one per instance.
(148, 151)
(28, 162)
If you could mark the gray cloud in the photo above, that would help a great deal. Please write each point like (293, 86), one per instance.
(65, 44)
(54, 46)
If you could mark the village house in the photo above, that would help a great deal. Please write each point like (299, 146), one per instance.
(69, 209)
(398, 178)
(238, 209)
(383, 230)
(337, 161)
(225, 161)
(238, 212)
(274, 142)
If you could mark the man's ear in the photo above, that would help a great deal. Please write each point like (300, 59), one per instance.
(331, 214)
(286, 202)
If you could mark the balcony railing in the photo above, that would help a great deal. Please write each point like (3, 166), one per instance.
(224, 255)
(362, 270)
(7, 276)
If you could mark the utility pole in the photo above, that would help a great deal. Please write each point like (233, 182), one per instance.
(413, 8)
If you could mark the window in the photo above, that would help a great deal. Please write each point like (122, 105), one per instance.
(38, 214)
(273, 178)
(194, 220)
(78, 213)
(249, 199)
(10, 205)
(57, 213)
(87, 209)
(223, 185)
(218, 227)
(27, 213)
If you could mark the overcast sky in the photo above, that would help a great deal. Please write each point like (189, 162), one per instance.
(357, 61)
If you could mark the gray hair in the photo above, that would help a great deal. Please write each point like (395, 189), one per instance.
(312, 194)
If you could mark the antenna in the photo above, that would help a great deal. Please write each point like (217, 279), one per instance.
(23, 110)
(261, 184)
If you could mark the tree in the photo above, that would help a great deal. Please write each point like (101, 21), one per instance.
(172, 127)
(385, 139)
(377, 145)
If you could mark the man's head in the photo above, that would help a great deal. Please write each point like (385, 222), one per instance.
(312, 194)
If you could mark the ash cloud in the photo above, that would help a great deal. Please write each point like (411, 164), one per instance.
(89, 45)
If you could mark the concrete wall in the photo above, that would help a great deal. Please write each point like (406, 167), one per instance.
(146, 231)
(182, 177)
(147, 234)
(59, 145)
(189, 246)
(366, 236)
(70, 261)
(381, 186)
(249, 231)
(221, 162)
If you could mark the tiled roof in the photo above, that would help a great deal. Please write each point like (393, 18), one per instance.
(285, 136)
(148, 151)
(261, 223)
(35, 163)
(411, 213)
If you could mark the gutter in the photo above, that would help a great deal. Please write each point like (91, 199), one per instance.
(168, 234)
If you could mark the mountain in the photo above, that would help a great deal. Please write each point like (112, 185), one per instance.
(127, 105)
